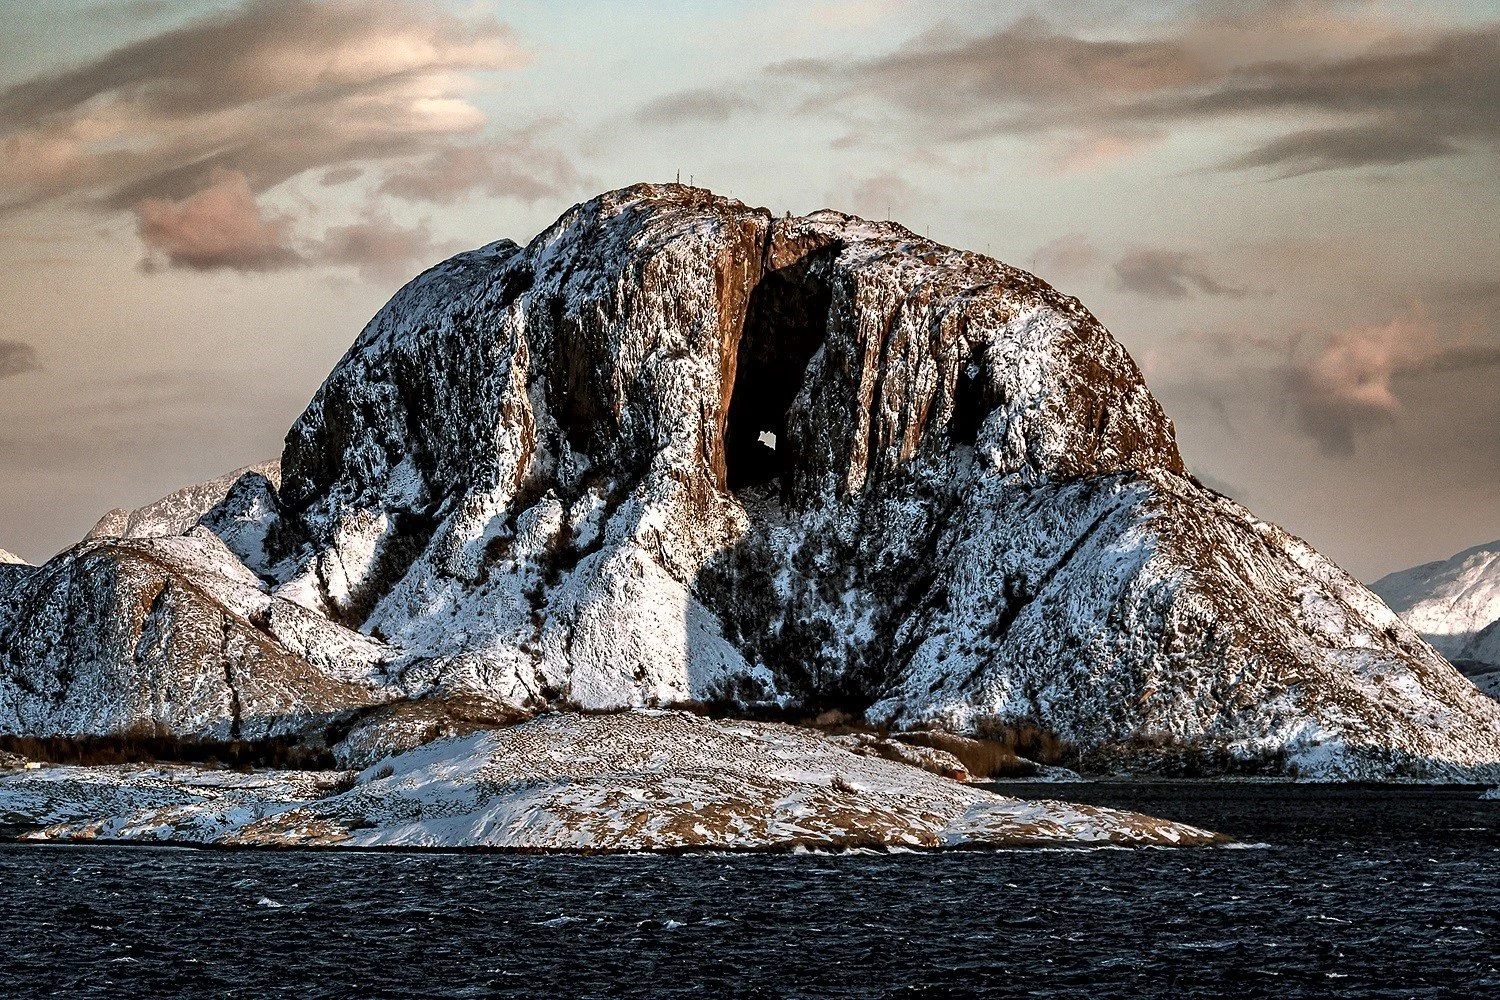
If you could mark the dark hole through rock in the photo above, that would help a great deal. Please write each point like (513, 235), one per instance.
(786, 322)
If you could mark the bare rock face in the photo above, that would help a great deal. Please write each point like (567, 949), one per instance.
(678, 450)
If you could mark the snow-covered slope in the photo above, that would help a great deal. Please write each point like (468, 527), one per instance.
(173, 635)
(677, 449)
(629, 782)
(1455, 604)
(11, 559)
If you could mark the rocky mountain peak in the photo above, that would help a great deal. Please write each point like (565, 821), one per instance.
(678, 450)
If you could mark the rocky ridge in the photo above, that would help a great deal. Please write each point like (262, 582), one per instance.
(677, 450)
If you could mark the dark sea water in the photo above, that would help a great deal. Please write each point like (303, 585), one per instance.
(1357, 892)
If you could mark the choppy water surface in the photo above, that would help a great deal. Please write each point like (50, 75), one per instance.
(1376, 892)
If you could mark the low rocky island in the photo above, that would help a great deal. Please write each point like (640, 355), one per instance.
(632, 781)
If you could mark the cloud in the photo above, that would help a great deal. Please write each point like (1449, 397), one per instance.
(1065, 257)
(272, 89)
(382, 249)
(220, 226)
(1332, 149)
(882, 196)
(16, 358)
(1223, 486)
(340, 175)
(1344, 390)
(1409, 99)
(702, 105)
(1169, 274)
(1321, 86)
(517, 166)
(131, 13)
(1349, 385)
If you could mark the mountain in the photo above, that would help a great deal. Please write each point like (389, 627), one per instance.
(678, 450)
(10, 559)
(177, 512)
(153, 625)
(1455, 605)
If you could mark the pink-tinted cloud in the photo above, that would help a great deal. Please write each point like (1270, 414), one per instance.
(881, 196)
(1348, 385)
(1066, 257)
(220, 226)
(381, 249)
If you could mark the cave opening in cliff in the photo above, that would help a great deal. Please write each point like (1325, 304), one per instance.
(786, 322)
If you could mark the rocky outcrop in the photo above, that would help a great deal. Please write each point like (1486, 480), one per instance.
(679, 450)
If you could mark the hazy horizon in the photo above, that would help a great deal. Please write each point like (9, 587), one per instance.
(1286, 211)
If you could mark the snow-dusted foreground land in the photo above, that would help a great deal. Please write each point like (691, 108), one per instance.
(635, 781)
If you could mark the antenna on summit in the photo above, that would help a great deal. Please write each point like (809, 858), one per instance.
(679, 177)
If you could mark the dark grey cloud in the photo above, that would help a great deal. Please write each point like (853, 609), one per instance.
(1169, 274)
(1409, 100)
(1024, 77)
(16, 358)
(132, 13)
(1332, 149)
(704, 105)
(1381, 94)
(340, 175)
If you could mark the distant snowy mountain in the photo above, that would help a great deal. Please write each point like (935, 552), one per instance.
(11, 559)
(1455, 604)
(678, 450)
(177, 512)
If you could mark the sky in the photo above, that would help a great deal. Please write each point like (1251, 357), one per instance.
(1288, 212)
